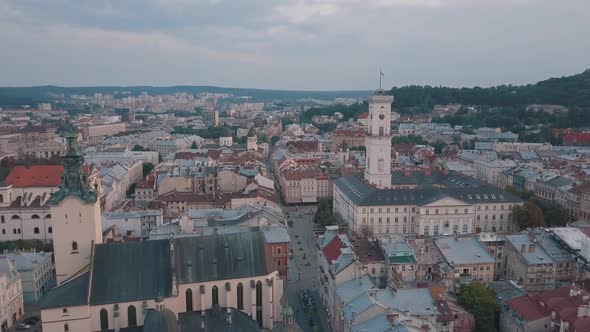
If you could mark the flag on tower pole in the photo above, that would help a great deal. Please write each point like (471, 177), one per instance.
(380, 77)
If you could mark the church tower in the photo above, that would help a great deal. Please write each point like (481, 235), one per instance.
(378, 140)
(76, 215)
(251, 143)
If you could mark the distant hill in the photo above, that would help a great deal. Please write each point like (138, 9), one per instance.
(32, 95)
(500, 106)
(568, 91)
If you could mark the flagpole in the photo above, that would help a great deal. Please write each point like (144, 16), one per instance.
(380, 74)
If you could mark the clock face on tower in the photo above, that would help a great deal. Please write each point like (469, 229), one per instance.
(381, 116)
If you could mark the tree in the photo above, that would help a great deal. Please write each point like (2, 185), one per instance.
(411, 139)
(528, 215)
(438, 146)
(480, 301)
(554, 214)
(147, 168)
(263, 138)
(138, 147)
(327, 127)
(274, 140)
(324, 215)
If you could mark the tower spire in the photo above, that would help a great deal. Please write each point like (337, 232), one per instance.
(73, 181)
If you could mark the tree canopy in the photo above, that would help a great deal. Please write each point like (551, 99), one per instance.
(324, 214)
(528, 215)
(480, 301)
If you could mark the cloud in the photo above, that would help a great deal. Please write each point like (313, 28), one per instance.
(301, 11)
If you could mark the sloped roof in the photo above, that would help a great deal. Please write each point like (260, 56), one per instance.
(69, 294)
(363, 194)
(160, 321)
(131, 271)
(35, 176)
(220, 257)
(527, 308)
(217, 321)
(332, 250)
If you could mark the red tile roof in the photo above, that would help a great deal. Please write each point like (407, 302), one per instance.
(35, 176)
(332, 250)
(527, 308)
(148, 182)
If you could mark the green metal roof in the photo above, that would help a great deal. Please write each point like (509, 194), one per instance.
(219, 257)
(160, 321)
(70, 294)
(131, 271)
(402, 259)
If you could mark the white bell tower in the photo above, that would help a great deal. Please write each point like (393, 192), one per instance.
(378, 140)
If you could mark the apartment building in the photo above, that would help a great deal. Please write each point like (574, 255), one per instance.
(11, 295)
(304, 184)
(37, 273)
(528, 264)
(469, 259)
(349, 137)
(508, 147)
(94, 131)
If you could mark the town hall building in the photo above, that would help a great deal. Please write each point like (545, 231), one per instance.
(371, 207)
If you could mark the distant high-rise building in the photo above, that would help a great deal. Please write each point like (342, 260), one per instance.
(44, 106)
(211, 118)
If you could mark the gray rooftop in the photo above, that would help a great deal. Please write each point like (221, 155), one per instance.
(463, 250)
(537, 256)
(220, 257)
(131, 271)
(417, 301)
(28, 261)
(363, 194)
(69, 294)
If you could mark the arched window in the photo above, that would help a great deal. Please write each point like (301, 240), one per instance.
(259, 303)
(131, 316)
(215, 296)
(66, 328)
(48, 216)
(35, 216)
(240, 296)
(36, 230)
(50, 230)
(74, 246)
(14, 216)
(104, 319)
(189, 300)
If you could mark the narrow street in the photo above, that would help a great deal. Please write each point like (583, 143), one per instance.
(304, 269)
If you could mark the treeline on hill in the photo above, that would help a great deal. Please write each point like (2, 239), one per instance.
(501, 106)
(15, 96)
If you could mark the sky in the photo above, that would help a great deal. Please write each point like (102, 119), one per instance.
(291, 44)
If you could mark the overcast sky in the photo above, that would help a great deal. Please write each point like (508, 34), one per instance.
(291, 44)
